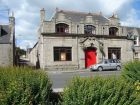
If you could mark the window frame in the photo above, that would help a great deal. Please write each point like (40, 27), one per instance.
(89, 29)
(113, 31)
(62, 28)
(59, 51)
(136, 41)
(116, 51)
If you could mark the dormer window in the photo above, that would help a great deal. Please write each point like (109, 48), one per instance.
(3, 32)
(113, 31)
(89, 29)
(136, 41)
(62, 28)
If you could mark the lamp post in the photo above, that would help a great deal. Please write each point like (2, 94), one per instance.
(77, 47)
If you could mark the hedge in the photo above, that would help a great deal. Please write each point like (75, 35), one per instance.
(24, 86)
(100, 91)
(131, 71)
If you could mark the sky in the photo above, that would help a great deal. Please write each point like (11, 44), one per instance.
(27, 14)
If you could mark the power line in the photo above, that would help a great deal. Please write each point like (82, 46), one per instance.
(5, 11)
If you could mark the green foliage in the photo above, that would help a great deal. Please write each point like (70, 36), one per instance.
(137, 84)
(24, 86)
(100, 91)
(131, 71)
(20, 51)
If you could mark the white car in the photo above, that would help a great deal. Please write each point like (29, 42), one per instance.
(106, 64)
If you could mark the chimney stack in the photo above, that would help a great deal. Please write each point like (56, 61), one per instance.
(12, 19)
(42, 15)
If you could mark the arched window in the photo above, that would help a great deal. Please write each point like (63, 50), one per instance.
(113, 31)
(89, 29)
(62, 28)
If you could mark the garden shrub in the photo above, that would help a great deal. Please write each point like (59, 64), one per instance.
(100, 91)
(24, 86)
(131, 71)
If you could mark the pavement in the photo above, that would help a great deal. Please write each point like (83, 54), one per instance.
(67, 71)
(60, 79)
(25, 61)
(58, 90)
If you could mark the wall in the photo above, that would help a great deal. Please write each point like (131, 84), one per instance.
(51, 42)
(125, 45)
(33, 56)
(6, 55)
(46, 43)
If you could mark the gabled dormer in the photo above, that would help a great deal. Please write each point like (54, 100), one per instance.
(114, 20)
(4, 30)
(114, 25)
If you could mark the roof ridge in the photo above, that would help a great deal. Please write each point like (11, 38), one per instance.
(79, 12)
(131, 27)
(4, 24)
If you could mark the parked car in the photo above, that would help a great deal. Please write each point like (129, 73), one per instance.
(106, 64)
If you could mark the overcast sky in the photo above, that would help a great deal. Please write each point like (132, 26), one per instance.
(27, 13)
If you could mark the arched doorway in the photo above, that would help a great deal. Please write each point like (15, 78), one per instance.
(90, 56)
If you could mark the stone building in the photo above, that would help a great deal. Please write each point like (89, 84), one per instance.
(32, 54)
(7, 43)
(76, 40)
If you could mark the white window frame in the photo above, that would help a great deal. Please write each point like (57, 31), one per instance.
(137, 41)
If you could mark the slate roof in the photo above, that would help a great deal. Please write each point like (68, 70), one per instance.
(138, 29)
(131, 29)
(78, 16)
(5, 38)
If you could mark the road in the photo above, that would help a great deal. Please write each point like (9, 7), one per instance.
(61, 79)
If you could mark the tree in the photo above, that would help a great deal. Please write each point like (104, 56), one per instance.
(20, 52)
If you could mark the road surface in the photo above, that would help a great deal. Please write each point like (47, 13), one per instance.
(61, 79)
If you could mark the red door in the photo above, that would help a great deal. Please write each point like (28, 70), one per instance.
(90, 57)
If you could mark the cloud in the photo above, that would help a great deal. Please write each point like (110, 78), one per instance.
(27, 13)
(132, 19)
(24, 44)
(110, 6)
